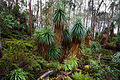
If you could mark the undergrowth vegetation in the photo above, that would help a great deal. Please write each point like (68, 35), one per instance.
(53, 49)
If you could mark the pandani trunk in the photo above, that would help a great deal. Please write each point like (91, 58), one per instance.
(74, 50)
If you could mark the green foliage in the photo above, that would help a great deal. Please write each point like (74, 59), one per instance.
(89, 32)
(116, 57)
(80, 76)
(113, 72)
(70, 64)
(66, 36)
(23, 17)
(99, 36)
(17, 74)
(29, 62)
(116, 39)
(7, 21)
(59, 15)
(87, 52)
(112, 26)
(112, 44)
(44, 36)
(53, 52)
(94, 64)
(14, 45)
(16, 10)
(54, 64)
(95, 46)
(78, 30)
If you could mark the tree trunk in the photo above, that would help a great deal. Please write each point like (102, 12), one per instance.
(58, 34)
(92, 19)
(118, 31)
(87, 21)
(30, 19)
(44, 50)
(112, 33)
(49, 13)
(16, 1)
(74, 50)
(87, 41)
(65, 46)
(41, 13)
(37, 13)
(69, 15)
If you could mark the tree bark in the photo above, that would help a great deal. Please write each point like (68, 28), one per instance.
(37, 13)
(30, 19)
(41, 13)
(74, 50)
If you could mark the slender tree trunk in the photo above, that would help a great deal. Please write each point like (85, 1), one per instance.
(112, 33)
(87, 21)
(69, 14)
(41, 13)
(92, 19)
(87, 41)
(16, 1)
(118, 31)
(37, 13)
(74, 50)
(49, 13)
(58, 34)
(30, 19)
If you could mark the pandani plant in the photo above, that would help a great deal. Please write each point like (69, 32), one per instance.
(44, 37)
(77, 34)
(66, 41)
(53, 52)
(18, 74)
(59, 20)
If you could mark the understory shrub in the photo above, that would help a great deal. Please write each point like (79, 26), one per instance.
(14, 45)
(53, 52)
(18, 74)
(80, 76)
(70, 64)
(95, 46)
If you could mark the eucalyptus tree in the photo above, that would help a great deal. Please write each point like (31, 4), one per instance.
(118, 22)
(30, 19)
(59, 20)
(41, 13)
(37, 14)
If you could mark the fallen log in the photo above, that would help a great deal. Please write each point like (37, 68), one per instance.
(46, 74)
(107, 59)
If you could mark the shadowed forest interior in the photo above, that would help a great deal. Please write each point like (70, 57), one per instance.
(59, 39)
